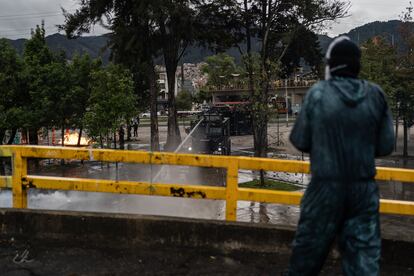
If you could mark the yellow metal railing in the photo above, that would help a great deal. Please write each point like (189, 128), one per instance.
(20, 182)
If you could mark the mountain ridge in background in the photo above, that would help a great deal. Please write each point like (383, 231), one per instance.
(96, 46)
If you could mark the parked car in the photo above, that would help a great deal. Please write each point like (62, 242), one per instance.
(145, 115)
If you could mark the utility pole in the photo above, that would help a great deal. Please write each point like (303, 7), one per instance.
(182, 76)
(287, 103)
(278, 133)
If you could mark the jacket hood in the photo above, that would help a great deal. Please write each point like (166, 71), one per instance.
(351, 91)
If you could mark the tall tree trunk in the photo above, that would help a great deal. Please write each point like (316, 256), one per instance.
(260, 119)
(108, 141)
(121, 138)
(62, 136)
(260, 99)
(259, 150)
(101, 141)
(182, 77)
(2, 133)
(129, 128)
(259, 133)
(33, 139)
(171, 49)
(108, 145)
(155, 140)
(173, 134)
(12, 135)
(405, 150)
(25, 138)
(114, 139)
(2, 165)
(396, 132)
(79, 139)
(80, 136)
(249, 63)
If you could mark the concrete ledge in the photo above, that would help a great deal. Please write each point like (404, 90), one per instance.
(101, 230)
(126, 231)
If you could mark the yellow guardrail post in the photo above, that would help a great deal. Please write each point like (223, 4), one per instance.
(19, 171)
(232, 184)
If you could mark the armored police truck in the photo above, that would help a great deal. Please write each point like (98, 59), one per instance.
(211, 134)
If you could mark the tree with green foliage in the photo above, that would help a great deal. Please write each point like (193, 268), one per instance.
(37, 57)
(10, 91)
(3, 126)
(3, 123)
(111, 102)
(176, 27)
(145, 30)
(81, 69)
(304, 47)
(220, 69)
(184, 100)
(57, 102)
(274, 24)
(404, 96)
(379, 65)
(142, 31)
(53, 102)
(132, 41)
(202, 96)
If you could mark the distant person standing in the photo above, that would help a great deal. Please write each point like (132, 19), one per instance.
(135, 124)
(344, 124)
(121, 137)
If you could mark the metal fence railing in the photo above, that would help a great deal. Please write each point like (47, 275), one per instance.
(20, 182)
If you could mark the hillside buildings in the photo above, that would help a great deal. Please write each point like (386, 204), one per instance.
(187, 78)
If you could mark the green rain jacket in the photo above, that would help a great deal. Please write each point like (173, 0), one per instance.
(344, 124)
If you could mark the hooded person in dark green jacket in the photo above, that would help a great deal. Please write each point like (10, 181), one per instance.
(344, 124)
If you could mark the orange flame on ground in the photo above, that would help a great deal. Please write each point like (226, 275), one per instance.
(71, 139)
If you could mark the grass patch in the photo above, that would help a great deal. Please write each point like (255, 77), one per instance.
(270, 185)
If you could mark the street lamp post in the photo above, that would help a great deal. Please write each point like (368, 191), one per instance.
(396, 125)
(278, 133)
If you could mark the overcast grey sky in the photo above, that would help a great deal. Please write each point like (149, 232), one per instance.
(365, 11)
(17, 17)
